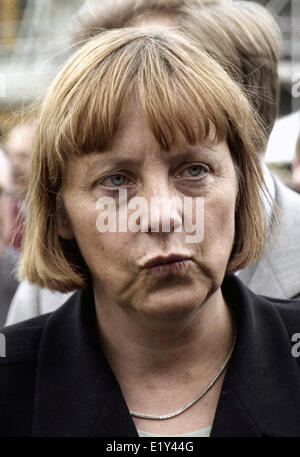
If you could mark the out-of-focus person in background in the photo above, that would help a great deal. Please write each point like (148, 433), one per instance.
(296, 167)
(31, 300)
(8, 257)
(245, 39)
(19, 147)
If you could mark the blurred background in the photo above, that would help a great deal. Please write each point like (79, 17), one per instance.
(34, 44)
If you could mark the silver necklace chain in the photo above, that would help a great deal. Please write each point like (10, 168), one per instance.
(192, 402)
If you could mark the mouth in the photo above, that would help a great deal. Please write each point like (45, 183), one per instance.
(173, 264)
(161, 260)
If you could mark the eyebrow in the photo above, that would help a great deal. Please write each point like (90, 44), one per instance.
(202, 150)
(107, 159)
(116, 161)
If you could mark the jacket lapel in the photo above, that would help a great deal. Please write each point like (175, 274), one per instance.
(232, 419)
(261, 390)
(76, 392)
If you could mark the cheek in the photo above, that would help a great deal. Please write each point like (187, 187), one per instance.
(112, 268)
(219, 222)
(106, 254)
(80, 218)
(94, 243)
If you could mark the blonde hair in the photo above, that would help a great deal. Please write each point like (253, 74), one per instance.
(181, 90)
(242, 35)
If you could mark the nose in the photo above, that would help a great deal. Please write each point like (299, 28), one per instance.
(164, 208)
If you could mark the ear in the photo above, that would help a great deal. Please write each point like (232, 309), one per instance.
(64, 226)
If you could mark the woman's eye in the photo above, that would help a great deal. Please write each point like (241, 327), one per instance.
(195, 171)
(115, 181)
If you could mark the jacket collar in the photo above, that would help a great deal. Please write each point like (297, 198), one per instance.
(261, 391)
(78, 395)
(76, 392)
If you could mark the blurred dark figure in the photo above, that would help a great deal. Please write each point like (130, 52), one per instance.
(8, 257)
(19, 146)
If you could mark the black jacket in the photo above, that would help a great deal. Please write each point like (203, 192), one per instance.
(55, 381)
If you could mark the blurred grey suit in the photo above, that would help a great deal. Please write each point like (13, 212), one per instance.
(277, 272)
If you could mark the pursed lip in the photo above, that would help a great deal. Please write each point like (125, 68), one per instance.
(161, 260)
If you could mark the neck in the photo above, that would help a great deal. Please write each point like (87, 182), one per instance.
(141, 347)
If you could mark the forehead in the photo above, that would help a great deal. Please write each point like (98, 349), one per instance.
(134, 131)
(135, 147)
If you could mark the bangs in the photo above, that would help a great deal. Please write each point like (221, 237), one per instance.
(181, 92)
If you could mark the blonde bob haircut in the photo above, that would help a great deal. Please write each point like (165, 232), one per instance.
(181, 91)
(241, 35)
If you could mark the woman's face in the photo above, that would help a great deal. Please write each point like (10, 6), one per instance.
(119, 260)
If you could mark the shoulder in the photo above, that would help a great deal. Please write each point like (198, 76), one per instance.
(279, 319)
(270, 326)
(20, 357)
(19, 347)
(22, 340)
(263, 310)
(288, 312)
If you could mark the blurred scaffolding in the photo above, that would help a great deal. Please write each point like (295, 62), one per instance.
(33, 45)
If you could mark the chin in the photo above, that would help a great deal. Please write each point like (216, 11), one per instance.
(170, 306)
